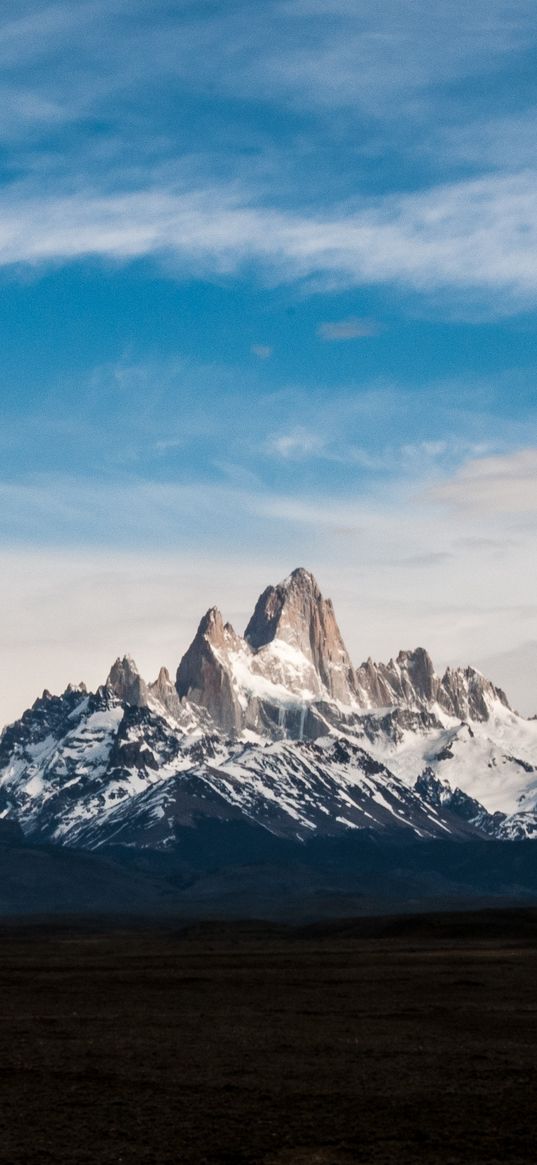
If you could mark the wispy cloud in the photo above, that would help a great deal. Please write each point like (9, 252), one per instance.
(332, 55)
(262, 351)
(234, 203)
(313, 51)
(175, 418)
(504, 484)
(296, 445)
(354, 328)
(479, 236)
(503, 142)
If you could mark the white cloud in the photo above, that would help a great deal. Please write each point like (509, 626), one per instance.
(298, 444)
(503, 484)
(335, 55)
(262, 351)
(326, 53)
(479, 236)
(353, 328)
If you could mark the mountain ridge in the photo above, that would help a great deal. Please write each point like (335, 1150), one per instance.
(275, 727)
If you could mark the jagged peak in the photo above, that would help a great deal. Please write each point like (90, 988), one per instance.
(202, 675)
(303, 579)
(411, 678)
(164, 698)
(163, 683)
(414, 655)
(409, 661)
(212, 626)
(125, 665)
(281, 608)
(211, 618)
(125, 681)
(295, 612)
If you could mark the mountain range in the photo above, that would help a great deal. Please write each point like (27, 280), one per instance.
(278, 731)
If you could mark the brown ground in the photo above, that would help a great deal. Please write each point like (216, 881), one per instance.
(369, 1042)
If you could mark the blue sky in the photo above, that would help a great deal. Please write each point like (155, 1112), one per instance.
(268, 277)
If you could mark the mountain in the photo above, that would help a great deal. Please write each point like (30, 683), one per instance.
(275, 731)
(86, 770)
(290, 675)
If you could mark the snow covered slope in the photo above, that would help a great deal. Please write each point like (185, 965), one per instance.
(90, 769)
(494, 761)
(294, 790)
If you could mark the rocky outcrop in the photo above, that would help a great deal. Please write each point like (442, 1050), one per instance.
(411, 680)
(126, 683)
(466, 694)
(291, 673)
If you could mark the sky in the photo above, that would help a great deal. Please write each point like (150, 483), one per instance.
(268, 280)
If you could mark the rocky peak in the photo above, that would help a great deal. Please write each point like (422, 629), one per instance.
(467, 694)
(411, 680)
(125, 681)
(211, 626)
(295, 612)
(162, 686)
(293, 662)
(292, 658)
(417, 672)
(285, 611)
(163, 691)
(204, 675)
(162, 682)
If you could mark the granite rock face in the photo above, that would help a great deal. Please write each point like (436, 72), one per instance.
(126, 683)
(411, 680)
(205, 673)
(163, 690)
(296, 613)
(466, 694)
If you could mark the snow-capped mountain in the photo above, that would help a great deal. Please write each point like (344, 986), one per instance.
(290, 675)
(89, 769)
(274, 728)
